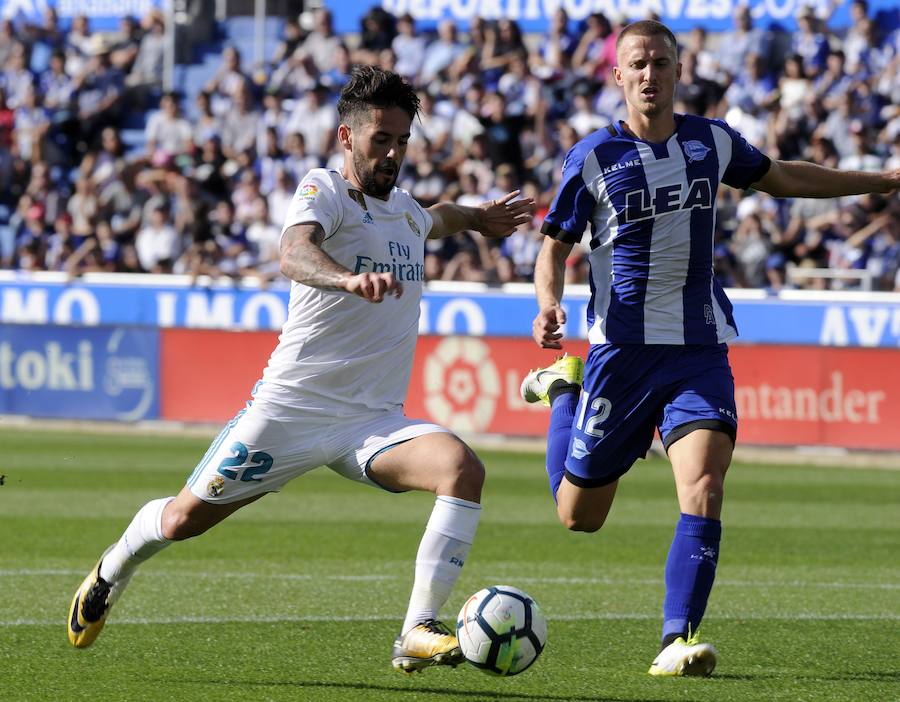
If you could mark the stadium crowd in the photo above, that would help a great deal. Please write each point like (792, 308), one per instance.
(205, 194)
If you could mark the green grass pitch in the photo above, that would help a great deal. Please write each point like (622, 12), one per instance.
(299, 596)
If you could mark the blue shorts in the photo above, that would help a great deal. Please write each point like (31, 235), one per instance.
(630, 390)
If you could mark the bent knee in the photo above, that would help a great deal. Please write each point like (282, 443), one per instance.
(585, 523)
(711, 483)
(462, 472)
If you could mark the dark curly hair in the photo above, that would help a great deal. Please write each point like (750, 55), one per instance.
(370, 86)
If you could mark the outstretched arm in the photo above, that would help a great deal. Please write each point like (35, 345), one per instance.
(549, 281)
(804, 179)
(497, 218)
(303, 260)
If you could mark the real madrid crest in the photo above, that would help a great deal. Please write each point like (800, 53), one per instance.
(216, 486)
(412, 224)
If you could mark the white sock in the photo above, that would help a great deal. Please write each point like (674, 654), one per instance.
(143, 538)
(442, 552)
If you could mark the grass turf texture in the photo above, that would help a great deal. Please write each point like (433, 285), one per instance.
(299, 596)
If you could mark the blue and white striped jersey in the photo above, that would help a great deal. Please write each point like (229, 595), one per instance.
(652, 210)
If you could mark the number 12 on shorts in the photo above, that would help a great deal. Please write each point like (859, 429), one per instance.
(600, 409)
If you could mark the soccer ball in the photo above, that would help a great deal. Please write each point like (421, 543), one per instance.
(501, 630)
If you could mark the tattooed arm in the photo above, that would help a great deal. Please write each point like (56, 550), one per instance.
(303, 260)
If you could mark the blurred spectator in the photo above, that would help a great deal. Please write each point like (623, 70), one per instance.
(245, 196)
(16, 78)
(378, 32)
(207, 124)
(273, 117)
(316, 119)
(280, 196)
(322, 43)
(793, 87)
(503, 46)
(292, 37)
(264, 238)
(433, 127)
(146, 70)
(78, 45)
(157, 243)
(751, 247)
(441, 53)
(595, 54)
(339, 74)
(104, 165)
(408, 47)
(8, 41)
(125, 44)
(100, 89)
(555, 52)
(240, 124)
(745, 39)
(167, 131)
(43, 192)
(229, 81)
(503, 132)
(31, 125)
(296, 74)
(855, 41)
(860, 155)
(44, 40)
(60, 244)
(270, 160)
(521, 90)
(833, 83)
(57, 87)
(810, 43)
(82, 207)
(584, 119)
(297, 162)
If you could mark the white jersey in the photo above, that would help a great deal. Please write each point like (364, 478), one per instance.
(337, 352)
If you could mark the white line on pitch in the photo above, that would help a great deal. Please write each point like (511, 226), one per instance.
(526, 579)
(589, 616)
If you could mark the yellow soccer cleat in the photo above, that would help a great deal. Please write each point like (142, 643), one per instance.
(91, 605)
(426, 644)
(536, 385)
(682, 657)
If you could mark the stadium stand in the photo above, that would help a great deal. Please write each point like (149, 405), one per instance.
(100, 171)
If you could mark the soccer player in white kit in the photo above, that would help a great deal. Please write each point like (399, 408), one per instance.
(333, 391)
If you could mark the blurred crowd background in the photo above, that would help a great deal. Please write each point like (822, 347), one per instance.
(100, 170)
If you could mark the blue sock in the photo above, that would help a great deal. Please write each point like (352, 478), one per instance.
(690, 571)
(562, 414)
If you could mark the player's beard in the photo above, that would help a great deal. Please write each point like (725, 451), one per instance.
(368, 177)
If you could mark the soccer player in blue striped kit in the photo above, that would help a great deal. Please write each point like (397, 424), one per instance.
(658, 322)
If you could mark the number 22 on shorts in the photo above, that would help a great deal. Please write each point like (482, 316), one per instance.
(260, 462)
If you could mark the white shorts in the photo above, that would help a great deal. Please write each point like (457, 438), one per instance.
(257, 453)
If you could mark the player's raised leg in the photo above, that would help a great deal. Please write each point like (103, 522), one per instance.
(558, 386)
(579, 508)
(156, 525)
(699, 461)
(439, 463)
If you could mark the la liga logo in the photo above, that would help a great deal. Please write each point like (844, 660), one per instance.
(462, 384)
